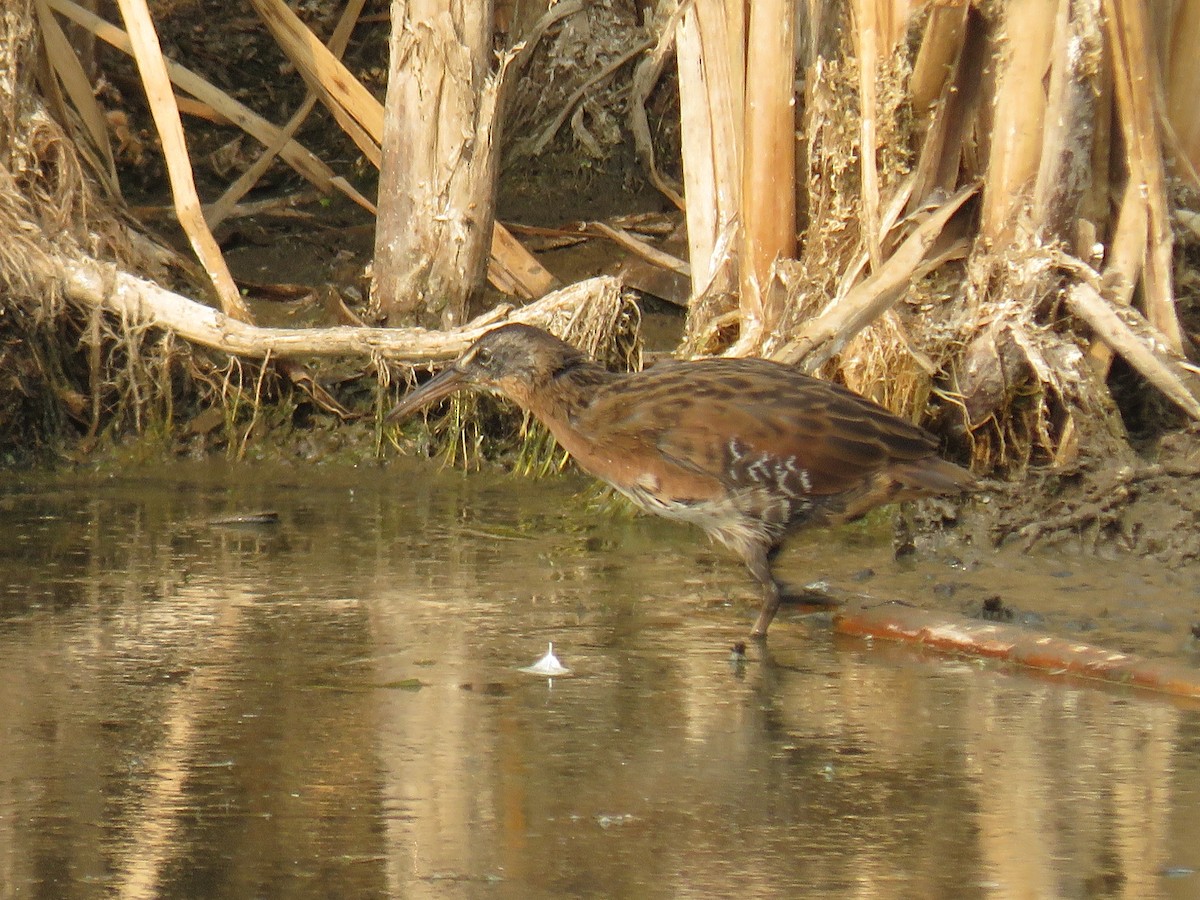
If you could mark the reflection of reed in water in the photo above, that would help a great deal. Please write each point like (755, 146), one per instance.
(332, 708)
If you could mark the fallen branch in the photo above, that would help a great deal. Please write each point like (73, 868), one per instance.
(142, 302)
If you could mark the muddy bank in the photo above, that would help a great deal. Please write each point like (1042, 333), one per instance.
(1146, 506)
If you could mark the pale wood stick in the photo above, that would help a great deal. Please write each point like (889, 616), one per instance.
(639, 247)
(143, 302)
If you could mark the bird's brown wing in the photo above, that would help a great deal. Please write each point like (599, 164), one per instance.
(741, 420)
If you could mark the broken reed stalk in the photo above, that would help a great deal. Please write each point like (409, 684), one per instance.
(818, 339)
(299, 157)
(348, 101)
(941, 46)
(353, 107)
(1065, 168)
(1183, 86)
(866, 34)
(161, 99)
(218, 211)
(1126, 332)
(709, 40)
(947, 79)
(1123, 263)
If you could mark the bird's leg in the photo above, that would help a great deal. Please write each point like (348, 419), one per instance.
(758, 561)
(766, 612)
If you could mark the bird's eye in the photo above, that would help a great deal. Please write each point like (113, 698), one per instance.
(484, 356)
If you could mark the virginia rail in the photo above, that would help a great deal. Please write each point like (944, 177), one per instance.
(748, 449)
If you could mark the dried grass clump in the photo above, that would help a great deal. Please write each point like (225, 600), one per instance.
(50, 352)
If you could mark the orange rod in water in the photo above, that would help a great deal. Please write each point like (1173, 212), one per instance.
(949, 633)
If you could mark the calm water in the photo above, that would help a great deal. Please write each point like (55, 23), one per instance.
(332, 707)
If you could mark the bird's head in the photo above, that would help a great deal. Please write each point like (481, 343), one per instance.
(514, 360)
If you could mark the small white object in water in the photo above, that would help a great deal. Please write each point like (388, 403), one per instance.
(547, 665)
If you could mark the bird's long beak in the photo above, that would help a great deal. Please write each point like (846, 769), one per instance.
(442, 385)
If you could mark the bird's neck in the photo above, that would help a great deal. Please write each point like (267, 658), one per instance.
(566, 391)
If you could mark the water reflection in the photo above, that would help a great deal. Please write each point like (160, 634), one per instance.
(332, 707)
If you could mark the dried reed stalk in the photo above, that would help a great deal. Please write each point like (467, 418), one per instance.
(709, 41)
(1183, 85)
(821, 337)
(1065, 166)
(1023, 49)
(161, 98)
(768, 178)
(349, 102)
(357, 112)
(1136, 78)
(69, 70)
(1135, 339)
(867, 46)
(947, 76)
(941, 47)
(218, 211)
(1123, 262)
(514, 270)
(300, 158)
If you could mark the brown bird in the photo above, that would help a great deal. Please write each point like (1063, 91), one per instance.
(748, 449)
